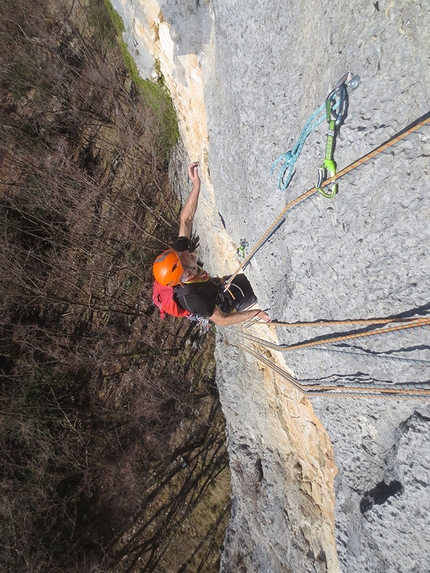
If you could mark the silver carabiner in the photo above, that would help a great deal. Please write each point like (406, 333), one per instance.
(338, 104)
(338, 97)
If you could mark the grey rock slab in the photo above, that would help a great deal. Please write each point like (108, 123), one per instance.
(363, 254)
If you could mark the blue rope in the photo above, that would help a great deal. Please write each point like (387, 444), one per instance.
(288, 159)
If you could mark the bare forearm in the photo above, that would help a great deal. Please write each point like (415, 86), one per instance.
(222, 319)
(189, 209)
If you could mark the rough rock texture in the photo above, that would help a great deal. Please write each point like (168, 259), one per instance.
(244, 78)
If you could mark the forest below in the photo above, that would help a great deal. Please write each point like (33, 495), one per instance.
(112, 439)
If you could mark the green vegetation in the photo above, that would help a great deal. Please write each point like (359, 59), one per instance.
(112, 439)
(155, 94)
(114, 17)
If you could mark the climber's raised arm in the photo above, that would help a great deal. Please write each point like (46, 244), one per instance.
(189, 209)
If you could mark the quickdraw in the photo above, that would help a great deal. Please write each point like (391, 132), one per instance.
(241, 249)
(338, 98)
(336, 110)
(279, 220)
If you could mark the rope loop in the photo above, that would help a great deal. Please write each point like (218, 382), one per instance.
(338, 101)
(288, 159)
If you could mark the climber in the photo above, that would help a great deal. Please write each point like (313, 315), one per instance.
(201, 294)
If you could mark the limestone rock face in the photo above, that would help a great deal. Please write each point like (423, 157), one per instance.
(320, 483)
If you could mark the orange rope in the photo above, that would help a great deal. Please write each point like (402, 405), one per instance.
(340, 322)
(335, 391)
(413, 324)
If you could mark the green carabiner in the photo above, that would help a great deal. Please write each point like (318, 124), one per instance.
(328, 168)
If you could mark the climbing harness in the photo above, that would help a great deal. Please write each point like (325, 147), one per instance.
(280, 219)
(337, 102)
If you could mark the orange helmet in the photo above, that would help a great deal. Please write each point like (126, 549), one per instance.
(167, 268)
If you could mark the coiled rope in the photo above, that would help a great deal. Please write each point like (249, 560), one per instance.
(287, 160)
